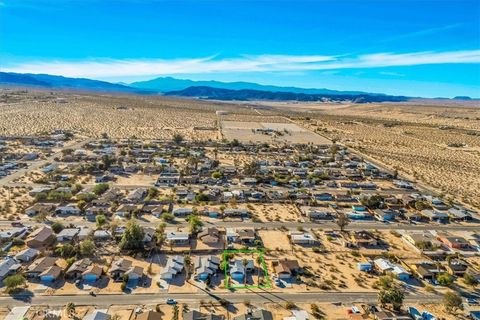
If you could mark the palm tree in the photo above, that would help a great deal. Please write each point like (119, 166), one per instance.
(188, 265)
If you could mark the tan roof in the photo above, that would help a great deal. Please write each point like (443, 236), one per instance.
(41, 234)
(41, 264)
(52, 271)
(149, 315)
(93, 269)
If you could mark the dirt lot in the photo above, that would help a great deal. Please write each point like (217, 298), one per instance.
(284, 133)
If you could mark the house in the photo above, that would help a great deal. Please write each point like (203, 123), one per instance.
(246, 236)
(101, 235)
(197, 315)
(459, 214)
(457, 268)
(259, 314)
(119, 268)
(68, 234)
(98, 315)
(15, 232)
(137, 195)
(78, 267)
(428, 270)
(424, 241)
(41, 238)
(50, 274)
(38, 208)
(69, 209)
(134, 273)
(365, 266)
(17, 313)
(182, 212)
(323, 197)
(125, 210)
(173, 267)
(385, 214)
(303, 238)
(92, 273)
(177, 238)
(363, 239)
(436, 216)
(40, 265)
(454, 242)
(150, 315)
(238, 270)
(8, 267)
(385, 266)
(27, 255)
(210, 236)
(236, 213)
(205, 266)
(316, 213)
(285, 268)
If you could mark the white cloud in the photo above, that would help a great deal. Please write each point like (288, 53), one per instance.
(112, 68)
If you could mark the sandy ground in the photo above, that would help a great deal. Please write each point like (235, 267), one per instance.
(285, 133)
(431, 146)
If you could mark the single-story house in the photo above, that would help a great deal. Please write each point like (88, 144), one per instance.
(8, 267)
(68, 234)
(173, 267)
(205, 266)
(209, 236)
(27, 255)
(285, 268)
(41, 238)
(78, 267)
(303, 238)
(119, 268)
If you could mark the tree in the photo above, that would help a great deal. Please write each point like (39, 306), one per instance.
(373, 202)
(14, 281)
(70, 309)
(188, 265)
(251, 168)
(194, 222)
(445, 279)
(216, 175)
(132, 238)
(87, 196)
(87, 248)
(470, 280)
(393, 296)
(178, 138)
(452, 301)
(168, 217)
(100, 188)
(57, 227)
(342, 221)
(160, 234)
(66, 250)
(100, 220)
(152, 193)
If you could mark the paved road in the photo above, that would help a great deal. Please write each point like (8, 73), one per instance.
(371, 225)
(235, 297)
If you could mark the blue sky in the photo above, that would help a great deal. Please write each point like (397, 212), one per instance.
(417, 48)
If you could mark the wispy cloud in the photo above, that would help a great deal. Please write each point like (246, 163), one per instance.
(110, 68)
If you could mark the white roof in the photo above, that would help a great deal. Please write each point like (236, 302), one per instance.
(97, 315)
(17, 313)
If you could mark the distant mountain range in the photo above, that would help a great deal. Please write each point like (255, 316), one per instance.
(199, 89)
(59, 82)
(166, 84)
(247, 94)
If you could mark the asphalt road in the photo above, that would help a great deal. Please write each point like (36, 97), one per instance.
(330, 225)
(234, 297)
